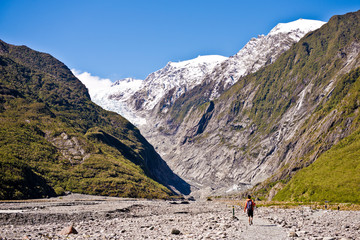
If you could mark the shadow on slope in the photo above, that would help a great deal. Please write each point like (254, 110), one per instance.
(153, 165)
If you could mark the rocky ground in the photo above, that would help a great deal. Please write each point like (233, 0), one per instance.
(90, 217)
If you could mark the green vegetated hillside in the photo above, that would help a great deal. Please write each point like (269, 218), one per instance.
(54, 139)
(333, 176)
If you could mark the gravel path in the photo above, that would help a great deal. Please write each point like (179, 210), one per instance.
(115, 218)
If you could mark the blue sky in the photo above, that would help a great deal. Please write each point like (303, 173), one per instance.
(117, 39)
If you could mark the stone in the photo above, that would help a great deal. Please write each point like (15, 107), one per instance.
(293, 234)
(175, 231)
(302, 233)
(67, 230)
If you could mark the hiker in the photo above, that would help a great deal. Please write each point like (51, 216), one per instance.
(249, 207)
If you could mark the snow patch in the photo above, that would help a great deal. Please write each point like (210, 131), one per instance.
(207, 59)
(233, 188)
(301, 25)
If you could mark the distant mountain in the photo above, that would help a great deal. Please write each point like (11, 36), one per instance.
(54, 139)
(134, 98)
(168, 121)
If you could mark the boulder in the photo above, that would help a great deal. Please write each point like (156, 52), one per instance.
(175, 231)
(67, 230)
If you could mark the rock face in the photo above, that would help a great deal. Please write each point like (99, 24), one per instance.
(71, 148)
(182, 136)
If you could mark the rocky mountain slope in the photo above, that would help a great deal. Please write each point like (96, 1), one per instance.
(54, 139)
(270, 123)
(173, 80)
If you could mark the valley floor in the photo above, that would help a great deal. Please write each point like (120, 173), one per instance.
(116, 218)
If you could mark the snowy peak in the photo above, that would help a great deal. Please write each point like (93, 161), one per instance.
(127, 81)
(301, 26)
(177, 77)
(200, 60)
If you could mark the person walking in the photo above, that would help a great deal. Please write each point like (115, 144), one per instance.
(249, 208)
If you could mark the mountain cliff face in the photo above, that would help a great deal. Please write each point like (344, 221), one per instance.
(270, 123)
(54, 139)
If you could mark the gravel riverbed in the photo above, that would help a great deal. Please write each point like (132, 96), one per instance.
(93, 217)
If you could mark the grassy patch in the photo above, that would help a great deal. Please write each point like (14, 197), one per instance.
(334, 176)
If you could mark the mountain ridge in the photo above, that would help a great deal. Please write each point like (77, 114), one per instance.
(54, 139)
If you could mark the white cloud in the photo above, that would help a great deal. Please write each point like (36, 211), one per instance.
(93, 83)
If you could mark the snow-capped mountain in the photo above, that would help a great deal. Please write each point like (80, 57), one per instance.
(129, 96)
(259, 52)
(135, 98)
(175, 77)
